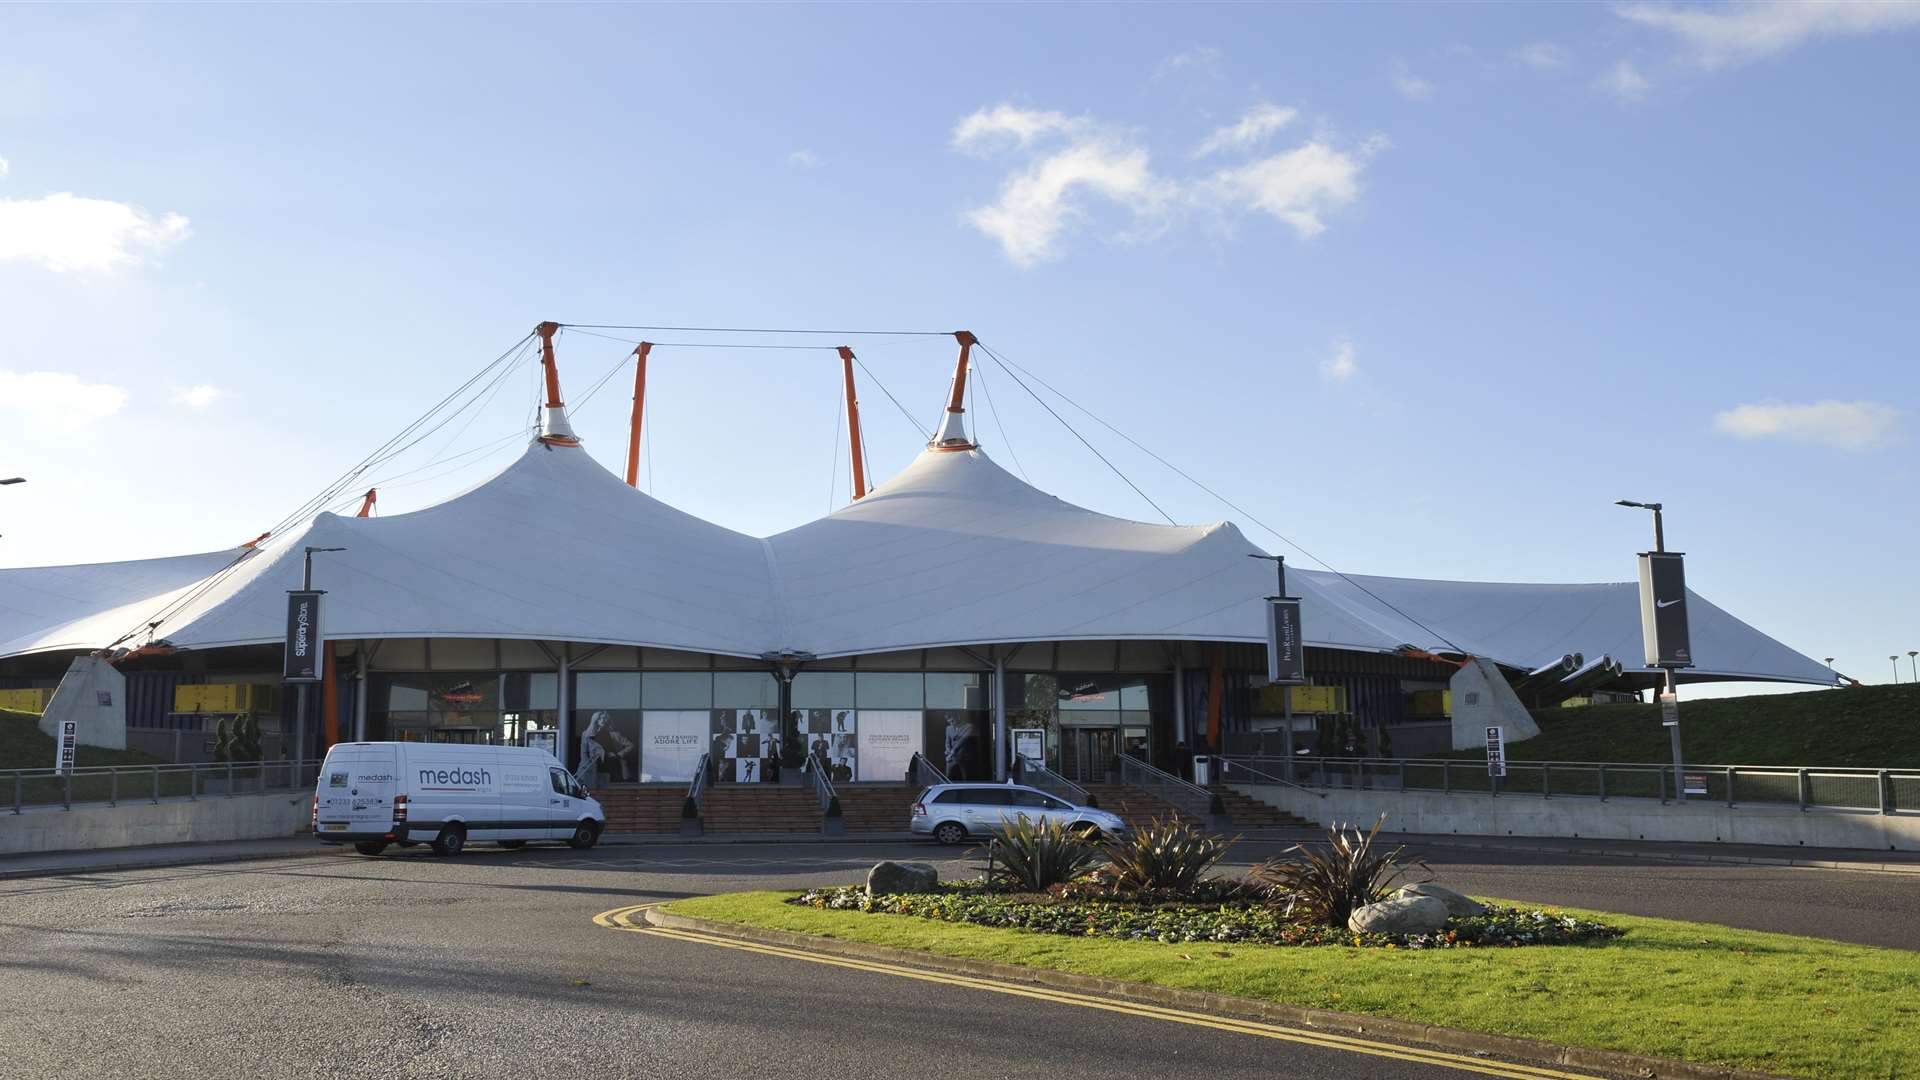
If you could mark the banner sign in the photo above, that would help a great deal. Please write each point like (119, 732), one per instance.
(1496, 752)
(303, 637)
(1286, 653)
(69, 736)
(887, 741)
(1663, 609)
(671, 742)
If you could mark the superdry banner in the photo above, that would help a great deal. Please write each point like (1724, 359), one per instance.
(1286, 653)
(1663, 609)
(303, 637)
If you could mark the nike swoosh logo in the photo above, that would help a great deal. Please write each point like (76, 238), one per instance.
(1665, 603)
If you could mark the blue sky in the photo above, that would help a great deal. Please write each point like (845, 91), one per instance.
(1425, 287)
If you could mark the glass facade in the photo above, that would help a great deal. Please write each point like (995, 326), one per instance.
(653, 726)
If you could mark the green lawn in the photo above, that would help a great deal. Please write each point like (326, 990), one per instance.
(24, 746)
(1768, 1002)
(1861, 727)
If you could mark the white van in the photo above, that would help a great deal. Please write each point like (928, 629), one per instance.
(372, 794)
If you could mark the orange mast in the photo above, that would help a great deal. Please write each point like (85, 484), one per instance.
(639, 411)
(953, 432)
(853, 427)
(366, 504)
(554, 429)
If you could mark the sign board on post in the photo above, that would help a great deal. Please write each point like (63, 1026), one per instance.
(1496, 751)
(303, 637)
(1663, 609)
(1030, 744)
(1694, 784)
(69, 738)
(1669, 710)
(1286, 654)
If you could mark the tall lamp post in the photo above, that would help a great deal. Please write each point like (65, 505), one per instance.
(1913, 663)
(13, 480)
(309, 640)
(1670, 699)
(1896, 668)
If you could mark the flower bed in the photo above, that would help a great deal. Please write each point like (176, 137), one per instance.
(1238, 921)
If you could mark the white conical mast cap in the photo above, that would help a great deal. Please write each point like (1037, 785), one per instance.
(953, 431)
(554, 425)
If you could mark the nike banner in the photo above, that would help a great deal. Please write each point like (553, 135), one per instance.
(1663, 609)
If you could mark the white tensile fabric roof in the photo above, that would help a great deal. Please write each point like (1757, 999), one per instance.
(953, 551)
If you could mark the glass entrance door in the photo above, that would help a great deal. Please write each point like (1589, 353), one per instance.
(1086, 754)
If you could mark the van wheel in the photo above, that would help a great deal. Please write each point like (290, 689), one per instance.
(512, 844)
(950, 833)
(585, 836)
(451, 841)
(370, 847)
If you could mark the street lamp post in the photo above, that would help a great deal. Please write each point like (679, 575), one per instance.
(1672, 691)
(1913, 664)
(300, 688)
(1896, 668)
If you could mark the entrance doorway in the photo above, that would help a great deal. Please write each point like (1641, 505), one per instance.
(1087, 753)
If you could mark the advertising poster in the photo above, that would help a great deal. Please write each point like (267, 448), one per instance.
(1030, 744)
(960, 743)
(815, 728)
(671, 744)
(609, 753)
(884, 744)
(745, 744)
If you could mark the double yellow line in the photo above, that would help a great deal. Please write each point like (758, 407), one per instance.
(632, 919)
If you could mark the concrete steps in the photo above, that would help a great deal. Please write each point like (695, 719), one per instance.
(1247, 812)
(881, 808)
(760, 808)
(649, 809)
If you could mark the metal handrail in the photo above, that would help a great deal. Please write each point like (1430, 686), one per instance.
(922, 773)
(103, 784)
(1183, 795)
(697, 787)
(1227, 764)
(1036, 775)
(821, 783)
(1613, 779)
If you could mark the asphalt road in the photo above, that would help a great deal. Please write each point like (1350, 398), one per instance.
(490, 965)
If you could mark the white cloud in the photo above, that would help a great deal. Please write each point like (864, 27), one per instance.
(1203, 60)
(66, 232)
(198, 397)
(56, 399)
(1298, 186)
(1542, 55)
(804, 158)
(1847, 425)
(1039, 203)
(1339, 366)
(1035, 203)
(3, 168)
(988, 129)
(1411, 86)
(1624, 81)
(1730, 34)
(1249, 131)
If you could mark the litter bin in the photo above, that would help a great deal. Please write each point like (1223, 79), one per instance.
(1202, 770)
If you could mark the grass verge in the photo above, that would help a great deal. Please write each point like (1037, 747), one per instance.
(1691, 991)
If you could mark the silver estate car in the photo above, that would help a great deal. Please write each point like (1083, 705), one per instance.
(951, 813)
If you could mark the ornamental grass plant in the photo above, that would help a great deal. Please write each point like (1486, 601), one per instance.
(1163, 859)
(1033, 856)
(1324, 886)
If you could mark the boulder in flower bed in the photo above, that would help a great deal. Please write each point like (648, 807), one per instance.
(1457, 905)
(1401, 915)
(892, 878)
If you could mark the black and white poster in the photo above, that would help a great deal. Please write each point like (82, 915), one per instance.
(745, 745)
(608, 755)
(886, 742)
(963, 740)
(671, 742)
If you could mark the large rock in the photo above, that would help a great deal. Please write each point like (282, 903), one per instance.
(1408, 915)
(1457, 905)
(893, 877)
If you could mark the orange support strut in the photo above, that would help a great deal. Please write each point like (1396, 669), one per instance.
(967, 342)
(554, 430)
(366, 504)
(953, 431)
(853, 427)
(329, 697)
(639, 412)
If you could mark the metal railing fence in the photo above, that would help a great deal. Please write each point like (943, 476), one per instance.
(112, 785)
(1185, 796)
(1885, 791)
(697, 787)
(819, 781)
(1039, 776)
(1240, 771)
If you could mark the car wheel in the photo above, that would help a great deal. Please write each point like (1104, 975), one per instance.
(950, 833)
(512, 844)
(451, 841)
(370, 847)
(585, 836)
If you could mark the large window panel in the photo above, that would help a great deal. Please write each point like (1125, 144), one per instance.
(951, 690)
(677, 689)
(745, 690)
(606, 690)
(823, 690)
(889, 690)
